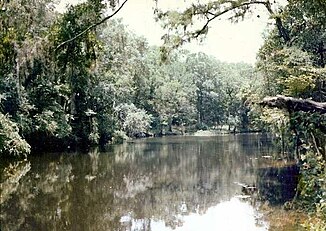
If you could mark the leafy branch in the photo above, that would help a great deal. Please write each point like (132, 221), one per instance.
(216, 15)
(210, 12)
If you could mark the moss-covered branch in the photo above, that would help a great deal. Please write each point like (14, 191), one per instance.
(294, 104)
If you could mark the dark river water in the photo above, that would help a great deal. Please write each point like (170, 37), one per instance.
(171, 183)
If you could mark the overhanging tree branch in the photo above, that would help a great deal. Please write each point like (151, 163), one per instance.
(294, 104)
(197, 33)
(91, 27)
(282, 30)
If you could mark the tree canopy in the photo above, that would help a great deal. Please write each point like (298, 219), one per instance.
(77, 78)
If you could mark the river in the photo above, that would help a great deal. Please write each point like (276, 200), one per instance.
(170, 183)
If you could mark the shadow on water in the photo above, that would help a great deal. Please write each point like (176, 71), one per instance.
(277, 185)
(170, 183)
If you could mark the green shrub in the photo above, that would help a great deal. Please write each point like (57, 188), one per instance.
(11, 143)
(119, 137)
(133, 121)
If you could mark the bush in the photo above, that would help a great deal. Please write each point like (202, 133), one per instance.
(119, 137)
(11, 143)
(133, 121)
(312, 188)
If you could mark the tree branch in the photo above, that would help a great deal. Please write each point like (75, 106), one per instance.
(282, 30)
(294, 104)
(91, 27)
(204, 28)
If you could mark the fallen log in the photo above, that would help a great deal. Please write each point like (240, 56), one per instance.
(294, 104)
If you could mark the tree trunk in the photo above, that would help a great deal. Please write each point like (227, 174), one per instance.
(279, 24)
(321, 51)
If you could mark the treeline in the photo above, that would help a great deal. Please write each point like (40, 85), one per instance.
(107, 85)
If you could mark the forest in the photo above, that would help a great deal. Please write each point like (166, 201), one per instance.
(83, 79)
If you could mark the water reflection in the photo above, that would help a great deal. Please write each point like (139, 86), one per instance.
(172, 183)
(230, 215)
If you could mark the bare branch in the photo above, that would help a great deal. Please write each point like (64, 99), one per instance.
(294, 104)
(91, 27)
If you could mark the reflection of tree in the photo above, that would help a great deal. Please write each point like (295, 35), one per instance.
(134, 186)
(189, 173)
(49, 186)
(277, 185)
(156, 179)
(10, 178)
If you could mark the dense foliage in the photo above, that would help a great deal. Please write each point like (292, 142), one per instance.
(104, 83)
(292, 63)
(297, 68)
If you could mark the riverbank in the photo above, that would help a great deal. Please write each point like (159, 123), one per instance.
(282, 219)
(291, 219)
(290, 215)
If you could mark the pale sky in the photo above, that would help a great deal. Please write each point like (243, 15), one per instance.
(226, 41)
